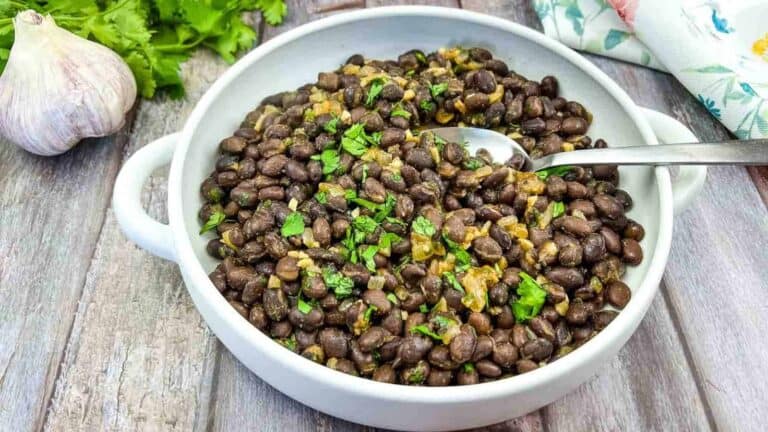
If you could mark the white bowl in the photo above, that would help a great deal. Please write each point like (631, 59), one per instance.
(293, 59)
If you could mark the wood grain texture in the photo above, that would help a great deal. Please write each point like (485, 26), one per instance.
(716, 279)
(52, 210)
(140, 357)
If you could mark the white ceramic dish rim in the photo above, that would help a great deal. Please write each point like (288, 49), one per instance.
(642, 296)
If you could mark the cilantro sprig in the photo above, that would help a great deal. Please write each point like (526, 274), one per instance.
(531, 298)
(213, 221)
(423, 226)
(438, 89)
(377, 85)
(330, 160)
(153, 36)
(340, 284)
(293, 225)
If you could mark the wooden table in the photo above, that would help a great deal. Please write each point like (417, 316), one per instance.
(96, 334)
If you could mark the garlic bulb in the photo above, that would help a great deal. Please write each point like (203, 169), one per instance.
(58, 88)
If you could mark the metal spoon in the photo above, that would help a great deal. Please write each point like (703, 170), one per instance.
(750, 152)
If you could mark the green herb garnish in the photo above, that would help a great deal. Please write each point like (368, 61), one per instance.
(365, 224)
(322, 197)
(427, 105)
(423, 226)
(438, 89)
(367, 255)
(153, 37)
(293, 225)
(331, 125)
(531, 297)
(377, 85)
(439, 142)
(463, 258)
(453, 282)
(392, 298)
(365, 173)
(330, 160)
(558, 209)
(303, 306)
(473, 164)
(420, 57)
(340, 284)
(423, 308)
(558, 171)
(368, 312)
(399, 111)
(468, 368)
(424, 329)
(213, 221)
(387, 239)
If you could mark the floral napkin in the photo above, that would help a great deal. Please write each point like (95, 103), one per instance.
(718, 49)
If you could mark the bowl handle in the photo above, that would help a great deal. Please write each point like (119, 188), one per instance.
(137, 225)
(690, 179)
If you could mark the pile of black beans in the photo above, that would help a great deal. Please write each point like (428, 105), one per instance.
(353, 236)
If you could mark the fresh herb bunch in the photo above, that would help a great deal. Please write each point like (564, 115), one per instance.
(153, 36)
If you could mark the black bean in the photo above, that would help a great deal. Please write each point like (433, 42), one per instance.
(488, 368)
(463, 345)
(565, 276)
(487, 249)
(385, 373)
(505, 354)
(632, 253)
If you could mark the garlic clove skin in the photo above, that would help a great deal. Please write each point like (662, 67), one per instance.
(58, 88)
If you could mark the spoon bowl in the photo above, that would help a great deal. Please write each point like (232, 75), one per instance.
(502, 147)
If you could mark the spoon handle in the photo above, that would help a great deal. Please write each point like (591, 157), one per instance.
(748, 152)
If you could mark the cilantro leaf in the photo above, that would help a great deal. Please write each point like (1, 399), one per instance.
(330, 160)
(213, 221)
(468, 368)
(463, 258)
(392, 298)
(558, 171)
(386, 208)
(322, 197)
(424, 329)
(274, 10)
(453, 282)
(558, 209)
(473, 164)
(531, 298)
(399, 111)
(331, 125)
(368, 312)
(367, 255)
(439, 142)
(377, 85)
(423, 226)
(438, 89)
(427, 105)
(387, 239)
(293, 225)
(365, 224)
(303, 306)
(340, 284)
(423, 308)
(354, 141)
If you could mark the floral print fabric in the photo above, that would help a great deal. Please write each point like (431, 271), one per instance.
(698, 41)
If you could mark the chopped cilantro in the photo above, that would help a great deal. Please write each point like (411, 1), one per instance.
(399, 111)
(392, 298)
(293, 225)
(377, 85)
(303, 306)
(396, 177)
(424, 329)
(420, 57)
(330, 160)
(473, 164)
(368, 312)
(558, 171)
(463, 258)
(331, 125)
(438, 89)
(387, 239)
(385, 209)
(213, 221)
(423, 226)
(367, 255)
(444, 321)
(353, 141)
(439, 142)
(340, 284)
(558, 209)
(453, 282)
(427, 105)
(365, 224)
(423, 308)
(468, 368)
(365, 173)
(322, 197)
(531, 298)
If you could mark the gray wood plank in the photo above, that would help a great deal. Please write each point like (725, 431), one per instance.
(139, 357)
(51, 211)
(716, 275)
